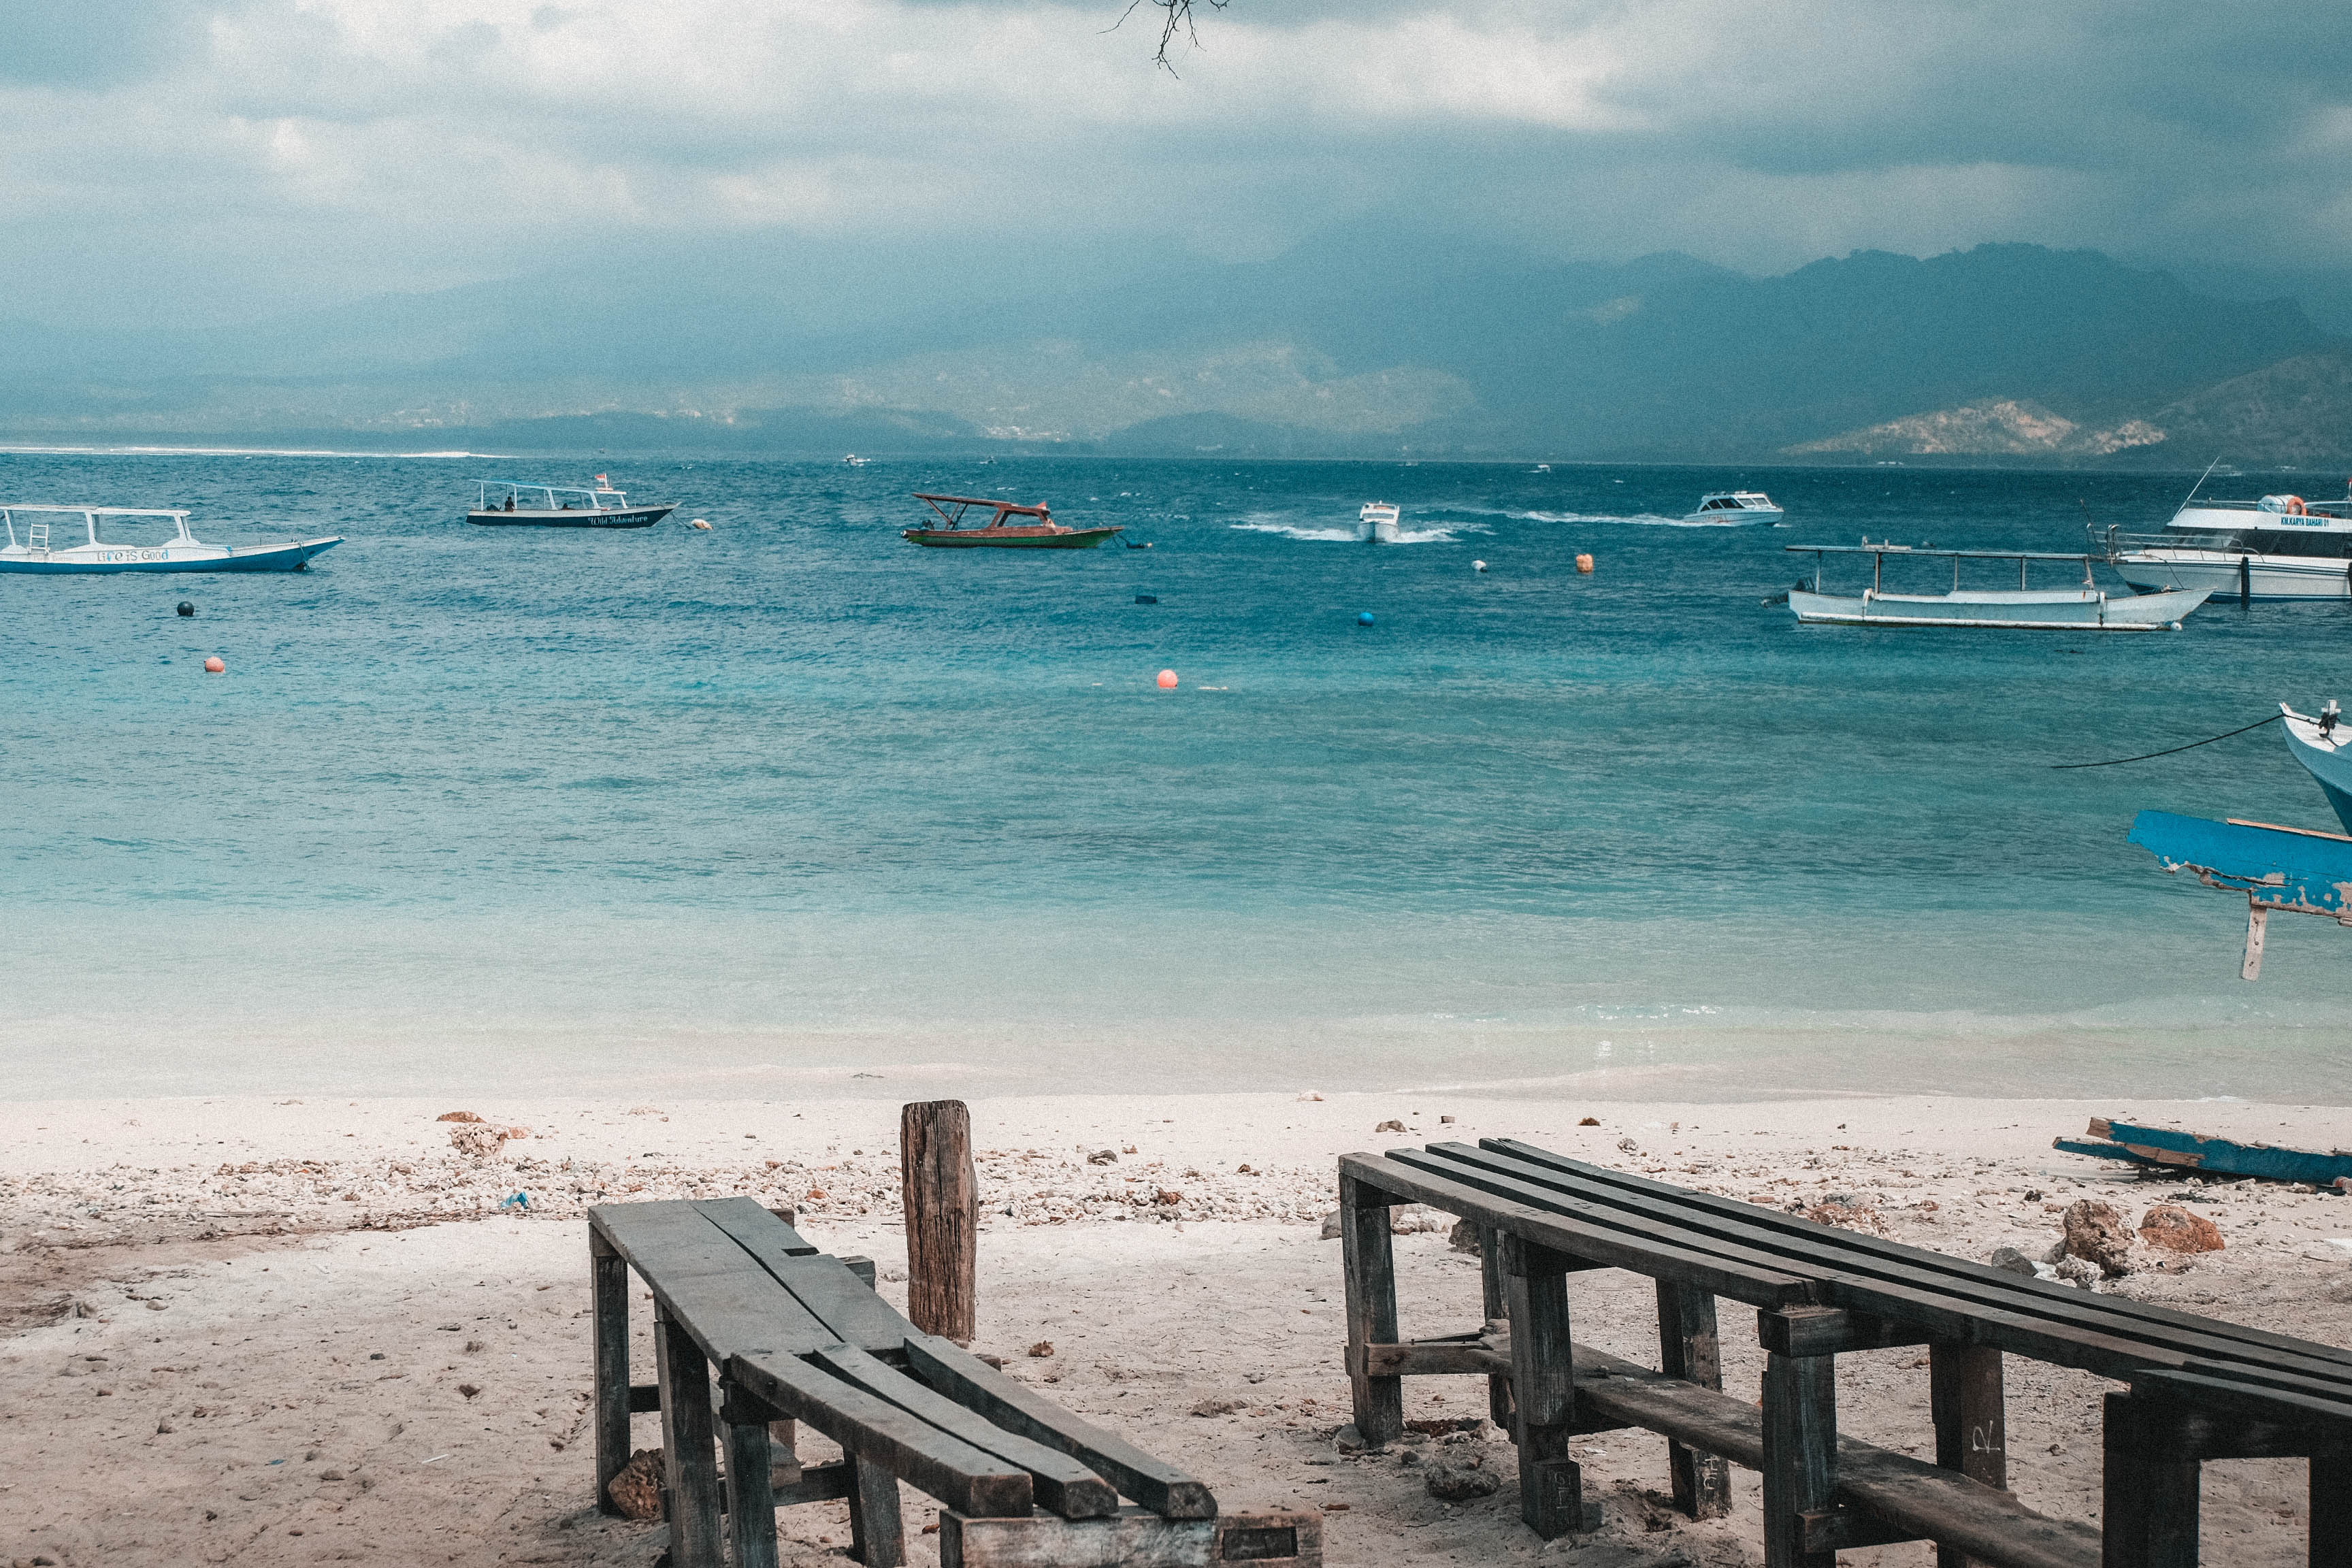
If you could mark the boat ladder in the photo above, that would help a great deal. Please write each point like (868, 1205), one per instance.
(37, 537)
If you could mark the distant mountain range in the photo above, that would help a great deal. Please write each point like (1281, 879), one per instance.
(2004, 352)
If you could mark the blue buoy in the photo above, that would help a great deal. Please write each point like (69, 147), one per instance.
(1364, 619)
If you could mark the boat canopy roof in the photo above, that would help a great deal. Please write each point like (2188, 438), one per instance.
(95, 511)
(1924, 550)
(600, 494)
(962, 504)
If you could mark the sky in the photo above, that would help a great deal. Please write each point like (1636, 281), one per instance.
(200, 161)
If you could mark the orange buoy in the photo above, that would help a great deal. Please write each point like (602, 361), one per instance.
(1584, 563)
(1167, 680)
(214, 666)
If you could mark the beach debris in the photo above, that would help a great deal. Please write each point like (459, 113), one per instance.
(1103, 1157)
(1331, 1226)
(2011, 1260)
(636, 1489)
(1169, 1197)
(1444, 1120)
(1587, 1121)
(1310, 1094)
(1463, 1237)
(1244, 1171)
(2174, 1229)
(1451, 1479)
(1213, 1407)
(647, 1110)
(477, 1141)
(468, 1389)
(1124, 1149)
(2096, 1234)
(516, 1201)
(1391, 1125)
(1627, 1146)
(2163, 1152)
(2074, 1271)
(1042, 1349)
(456, 1116)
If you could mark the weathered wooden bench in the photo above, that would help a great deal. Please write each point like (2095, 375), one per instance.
(795, 1336)
(2199, 1389)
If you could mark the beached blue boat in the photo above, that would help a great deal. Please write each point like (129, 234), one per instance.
(38, 553)
(2193, 1153)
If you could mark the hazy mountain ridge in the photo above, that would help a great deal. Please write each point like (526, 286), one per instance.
(1337, 348)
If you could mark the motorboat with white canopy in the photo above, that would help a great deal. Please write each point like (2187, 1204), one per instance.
(36, 550)
(504, 503)
(2081, 607)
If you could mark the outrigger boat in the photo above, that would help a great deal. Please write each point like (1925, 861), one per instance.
(181, 553)
(1043, 535)
(561, 506)
(2085, 607)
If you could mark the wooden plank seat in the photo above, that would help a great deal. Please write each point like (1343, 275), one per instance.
(795, 1336)
(2200, 1388)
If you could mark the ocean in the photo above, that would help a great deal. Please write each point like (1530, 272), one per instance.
(792, 807)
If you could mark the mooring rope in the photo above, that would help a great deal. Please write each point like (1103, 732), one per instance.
(2117, 762)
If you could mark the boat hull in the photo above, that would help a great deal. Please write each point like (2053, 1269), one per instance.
(108, 558)
(2063, 610)
(617, 517)
(1726, 517)
(2218, 573)
(2326, 759)
(1010, 538)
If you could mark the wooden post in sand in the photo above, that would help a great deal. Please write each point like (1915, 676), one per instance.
(942, 1197)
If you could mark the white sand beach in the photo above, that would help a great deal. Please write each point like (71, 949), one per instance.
(305, 1331)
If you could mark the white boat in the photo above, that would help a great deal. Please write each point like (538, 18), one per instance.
(2082, 607)
(506, 504)
(38, 552)
(1736, 506)
(2324, 747)
(852, 460)
(2278, 547)
(1377, 522)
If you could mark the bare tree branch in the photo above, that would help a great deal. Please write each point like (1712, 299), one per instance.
(1175, 14)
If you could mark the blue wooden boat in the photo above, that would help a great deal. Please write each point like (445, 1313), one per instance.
(2294, 869)
(37, 553)
(2162, 1146)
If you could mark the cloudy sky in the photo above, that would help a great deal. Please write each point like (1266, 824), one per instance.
(215, 160)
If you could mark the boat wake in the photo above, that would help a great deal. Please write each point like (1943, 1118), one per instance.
(1638, 520)
(1346, 535)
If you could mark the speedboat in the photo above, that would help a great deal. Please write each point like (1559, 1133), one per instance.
(852, 460)
(2081, 607)
(181, 553)
(2276, 547)
(561, 506)
(1377, 522)
(2324, 746)
(1736, 506)
(1043, 535)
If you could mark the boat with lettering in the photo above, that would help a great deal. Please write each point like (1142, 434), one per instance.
(2080, 608)
(38, 550)
(998, 533)
(508, 504)
(2274, 547)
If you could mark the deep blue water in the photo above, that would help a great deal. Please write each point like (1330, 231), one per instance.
(792, 799)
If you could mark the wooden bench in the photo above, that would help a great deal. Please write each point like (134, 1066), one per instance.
(795, 1336)
(2199, 1389)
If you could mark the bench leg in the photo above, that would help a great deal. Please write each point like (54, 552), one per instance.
(689, 1438)
(1688, 1348)
(1543, 1386)
(1490, 1285)
(1799, 1455)
(750, 1498)
(2331, 1509)
(876, 1537)
(2148, 1514)
(1369, 1262)
(609, 1296)
(1965, 1398)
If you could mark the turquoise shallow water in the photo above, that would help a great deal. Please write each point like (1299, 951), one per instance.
(791, 801)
